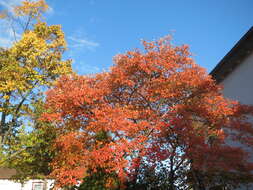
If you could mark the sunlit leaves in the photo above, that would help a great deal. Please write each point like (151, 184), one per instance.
(31, 8)
(153, 106)
(27, 68)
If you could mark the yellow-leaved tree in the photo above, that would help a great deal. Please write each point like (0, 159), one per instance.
(28, 67)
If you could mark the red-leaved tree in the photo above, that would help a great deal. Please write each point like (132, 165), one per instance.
(153, 107)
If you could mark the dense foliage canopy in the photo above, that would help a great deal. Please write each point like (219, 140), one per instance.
(28, 67)
(155, 110)
(156, 120)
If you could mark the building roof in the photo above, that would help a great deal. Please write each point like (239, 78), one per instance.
(7, 173)
(234, 57)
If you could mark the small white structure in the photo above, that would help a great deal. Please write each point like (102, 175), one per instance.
(35, 184)
(235, 73)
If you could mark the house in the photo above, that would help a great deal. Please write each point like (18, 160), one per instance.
(34, 184)
(235, 70)
(235, 73)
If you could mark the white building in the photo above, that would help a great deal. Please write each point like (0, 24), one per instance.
(34, 184)
(235, 73)
(235, 70)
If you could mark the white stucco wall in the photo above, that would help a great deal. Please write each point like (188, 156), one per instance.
(29, 185)
(238, 85)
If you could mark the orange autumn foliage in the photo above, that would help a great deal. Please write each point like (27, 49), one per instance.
(154, 104)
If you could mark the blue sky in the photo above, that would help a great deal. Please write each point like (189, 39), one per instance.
(97, 30)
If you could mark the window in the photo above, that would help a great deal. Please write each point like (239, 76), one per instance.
(37, 186)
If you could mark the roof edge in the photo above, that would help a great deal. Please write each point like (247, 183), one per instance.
(234, 57)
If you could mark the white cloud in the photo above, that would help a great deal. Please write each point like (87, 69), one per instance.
(5, 42)
(8, 4)
(85, 68)
(50, 10)
(7, 36)
(82, 42)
